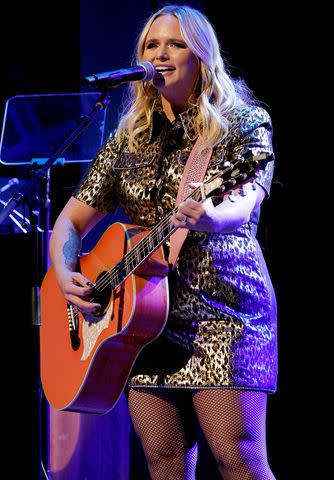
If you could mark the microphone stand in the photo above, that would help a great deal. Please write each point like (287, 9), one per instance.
(40, 216)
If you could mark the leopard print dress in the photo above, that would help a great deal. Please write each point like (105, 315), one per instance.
(221, 328)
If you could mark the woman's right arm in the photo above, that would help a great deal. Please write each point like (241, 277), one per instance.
(73, 223)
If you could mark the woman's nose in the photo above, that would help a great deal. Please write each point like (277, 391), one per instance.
(161, 53)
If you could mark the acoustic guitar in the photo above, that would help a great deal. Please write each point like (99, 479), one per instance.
(86, 359)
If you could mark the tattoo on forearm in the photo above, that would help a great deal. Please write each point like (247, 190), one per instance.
(71, 249)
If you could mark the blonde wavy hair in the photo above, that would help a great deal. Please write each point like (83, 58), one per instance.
(216, 94)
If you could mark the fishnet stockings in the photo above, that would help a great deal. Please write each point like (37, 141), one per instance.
(232, 421)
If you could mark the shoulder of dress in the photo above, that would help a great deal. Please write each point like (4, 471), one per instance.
(114, 143)
(248, 117)
(247, 121)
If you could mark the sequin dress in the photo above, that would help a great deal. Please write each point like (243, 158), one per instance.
(221, 329)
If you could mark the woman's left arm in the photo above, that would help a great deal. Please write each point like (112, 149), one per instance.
(226, 217)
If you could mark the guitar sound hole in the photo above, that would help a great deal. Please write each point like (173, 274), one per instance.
(75, 339)
(103, 293)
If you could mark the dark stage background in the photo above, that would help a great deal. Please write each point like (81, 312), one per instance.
(48, 49)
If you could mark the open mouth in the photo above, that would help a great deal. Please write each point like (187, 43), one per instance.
(163, 68)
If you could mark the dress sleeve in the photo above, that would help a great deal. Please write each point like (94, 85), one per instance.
(254, 136)
(97, 187)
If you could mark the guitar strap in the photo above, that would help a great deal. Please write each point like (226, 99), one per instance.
(194, 171)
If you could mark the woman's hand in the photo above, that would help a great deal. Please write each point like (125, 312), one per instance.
(225, 217)
(75, 220)
(78, 291)
(199, 216)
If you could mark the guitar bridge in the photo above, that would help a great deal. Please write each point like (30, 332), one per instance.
(73, 324)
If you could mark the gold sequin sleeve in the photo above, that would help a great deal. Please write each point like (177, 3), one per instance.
(96, 189)
(254, 136)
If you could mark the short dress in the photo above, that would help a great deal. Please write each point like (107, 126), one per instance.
(221, 330)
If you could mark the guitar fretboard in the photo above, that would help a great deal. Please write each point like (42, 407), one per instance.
(144, 248)
(237, 174)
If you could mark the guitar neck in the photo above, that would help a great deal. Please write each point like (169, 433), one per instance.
(234, 174)
(146, 246)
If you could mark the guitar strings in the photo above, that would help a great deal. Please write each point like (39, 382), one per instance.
(156, 234)
(139, 248)
(113, 275)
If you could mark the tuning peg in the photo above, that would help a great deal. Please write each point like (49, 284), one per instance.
(231, 182)
(242, 177)
(242, 191)
(231, 197)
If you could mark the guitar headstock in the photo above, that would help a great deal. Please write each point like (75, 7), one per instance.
(235, 174)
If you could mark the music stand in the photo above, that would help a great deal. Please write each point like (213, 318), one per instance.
(33, 127)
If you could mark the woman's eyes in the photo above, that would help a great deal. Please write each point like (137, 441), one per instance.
(172, 44)
(151, 45)
(179, 45)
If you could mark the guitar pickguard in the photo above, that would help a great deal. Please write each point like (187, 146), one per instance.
(92, 327)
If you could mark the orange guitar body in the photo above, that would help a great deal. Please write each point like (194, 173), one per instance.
(91, 376)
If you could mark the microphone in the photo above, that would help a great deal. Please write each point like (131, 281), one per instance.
(143, 71)
(11, 182)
